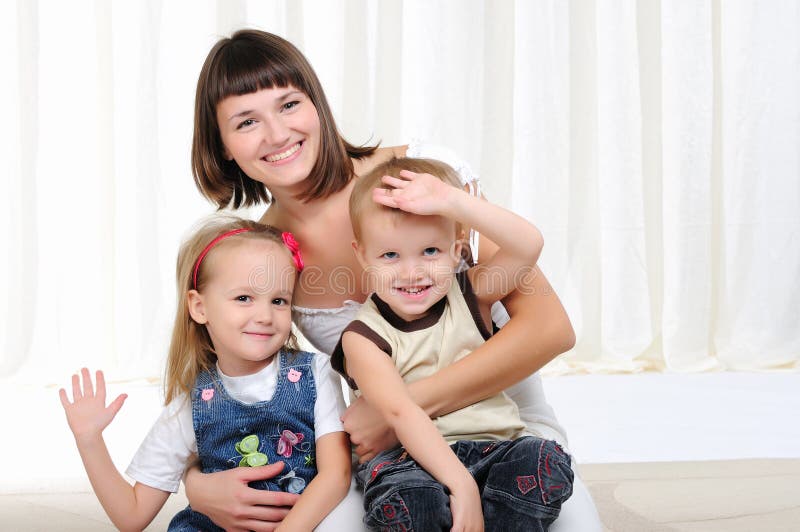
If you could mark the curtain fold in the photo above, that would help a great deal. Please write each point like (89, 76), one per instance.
(654, 143)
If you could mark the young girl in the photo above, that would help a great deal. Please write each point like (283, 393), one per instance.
(425, 316)
(238, 391)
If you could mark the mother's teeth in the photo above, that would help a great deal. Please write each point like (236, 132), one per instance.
(283, 154)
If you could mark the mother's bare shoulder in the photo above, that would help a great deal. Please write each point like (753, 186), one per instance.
(381, 155)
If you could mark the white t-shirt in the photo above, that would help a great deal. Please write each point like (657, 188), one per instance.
(164, 454)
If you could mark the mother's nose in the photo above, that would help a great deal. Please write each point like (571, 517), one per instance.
(276, 133)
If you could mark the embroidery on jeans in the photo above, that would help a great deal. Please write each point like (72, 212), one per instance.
(546, 487)
(396, 514)
(489, 448)
(526, 483)
(380, 465)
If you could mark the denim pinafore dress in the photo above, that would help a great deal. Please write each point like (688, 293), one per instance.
(231, 434)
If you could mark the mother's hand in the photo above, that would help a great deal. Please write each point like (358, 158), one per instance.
(369, 432)
(227, 500)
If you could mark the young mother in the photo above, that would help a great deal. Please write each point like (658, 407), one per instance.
(264, 133)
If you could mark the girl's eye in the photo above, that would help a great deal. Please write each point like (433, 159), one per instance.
(280, 301)
(430, 252)
(243, 299)
(390, 255)
(246, 123)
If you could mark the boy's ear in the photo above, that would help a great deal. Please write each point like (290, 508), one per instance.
(458, 245)
(358, 250)
(196, 308)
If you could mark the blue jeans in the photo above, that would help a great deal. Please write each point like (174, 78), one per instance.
(522, 483)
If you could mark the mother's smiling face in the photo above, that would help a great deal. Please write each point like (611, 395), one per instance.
(273, 135)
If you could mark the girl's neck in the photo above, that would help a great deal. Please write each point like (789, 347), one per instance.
(238, 368)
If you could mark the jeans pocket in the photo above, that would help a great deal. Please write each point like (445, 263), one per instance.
(554, 473)
(384, 464)
(390, 513)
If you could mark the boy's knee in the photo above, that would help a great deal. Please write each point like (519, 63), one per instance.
(533, 479)
(421, 507)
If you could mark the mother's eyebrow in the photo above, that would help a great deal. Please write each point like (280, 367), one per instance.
(279, 99)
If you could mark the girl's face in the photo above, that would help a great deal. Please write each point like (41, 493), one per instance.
(272, 134)
(246, 303)
(409, 260)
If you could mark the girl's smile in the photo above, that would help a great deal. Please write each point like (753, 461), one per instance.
(246, 304)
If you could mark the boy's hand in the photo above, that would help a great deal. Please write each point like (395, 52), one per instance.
(88, 414)
(416, 193)
(465, 506)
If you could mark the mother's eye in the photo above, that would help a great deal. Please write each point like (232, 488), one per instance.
(246, 123)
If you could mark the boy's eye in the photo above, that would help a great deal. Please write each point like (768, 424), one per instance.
(243, 299)
(280, 301)
(390, 255)
(430, 252)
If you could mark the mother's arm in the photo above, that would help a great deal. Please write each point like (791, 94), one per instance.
(539, 330)
(226, 498)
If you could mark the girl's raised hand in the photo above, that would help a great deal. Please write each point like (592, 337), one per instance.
(88, 414)
(416, 193)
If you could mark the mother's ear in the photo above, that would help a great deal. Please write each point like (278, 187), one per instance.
(196, 307)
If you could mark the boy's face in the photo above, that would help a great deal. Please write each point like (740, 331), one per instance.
(409, 260)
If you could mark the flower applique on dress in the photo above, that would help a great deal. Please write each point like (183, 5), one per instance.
(291, 483)
(288, 440)
(248, 448)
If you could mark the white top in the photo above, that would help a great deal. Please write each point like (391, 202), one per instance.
(166, 451)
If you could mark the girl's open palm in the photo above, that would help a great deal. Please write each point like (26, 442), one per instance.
(415, 193)
(88, 414)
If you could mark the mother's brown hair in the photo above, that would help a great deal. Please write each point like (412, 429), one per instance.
(248, 61)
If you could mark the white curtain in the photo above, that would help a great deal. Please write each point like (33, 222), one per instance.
(656, 144)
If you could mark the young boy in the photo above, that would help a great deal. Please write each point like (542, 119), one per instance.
(421, 317)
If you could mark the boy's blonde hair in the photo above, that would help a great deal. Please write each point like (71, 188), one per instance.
(191, 350)
(361, 198)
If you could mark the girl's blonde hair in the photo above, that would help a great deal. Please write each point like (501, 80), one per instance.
(191, 350)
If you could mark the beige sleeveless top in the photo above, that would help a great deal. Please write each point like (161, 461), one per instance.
(450, 331)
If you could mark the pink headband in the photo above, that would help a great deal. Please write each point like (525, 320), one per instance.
(287, 237)
(294, 247)
(211, 244)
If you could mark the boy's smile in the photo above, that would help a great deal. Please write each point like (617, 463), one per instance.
(409, 260)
